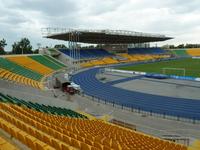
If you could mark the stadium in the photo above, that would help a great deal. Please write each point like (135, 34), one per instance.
(124, 95)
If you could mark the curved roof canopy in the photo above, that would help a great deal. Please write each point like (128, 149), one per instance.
(103, 36)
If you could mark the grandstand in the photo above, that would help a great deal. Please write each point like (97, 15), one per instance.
(89, 53)
(48, 61)
(40, 130)
(28, 70)
(180, 52)
(194, 52)
(191, 52)
(106, 38)
(96, 57)
(155, 51)
(30, 64)
(39, 107)
(103, 57)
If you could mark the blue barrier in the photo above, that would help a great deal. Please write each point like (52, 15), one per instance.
(183, 77)
(156, 76)
(163, 76)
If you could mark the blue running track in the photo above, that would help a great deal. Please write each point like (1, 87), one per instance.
(180, 107)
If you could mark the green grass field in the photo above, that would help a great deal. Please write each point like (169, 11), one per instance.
(191, 66)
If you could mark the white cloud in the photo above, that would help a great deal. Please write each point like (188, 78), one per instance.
(177, 18)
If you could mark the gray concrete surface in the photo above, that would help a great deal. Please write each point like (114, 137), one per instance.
(149, 124)
(164, 87)
(35, 95)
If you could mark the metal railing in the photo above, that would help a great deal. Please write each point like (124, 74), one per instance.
(140, 110)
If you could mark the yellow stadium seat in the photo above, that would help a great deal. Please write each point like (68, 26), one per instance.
(76, 143)
(5, 145)
(11, 77)
(3, 73)
(67, 139)
(30, 64)
(30, 141)
(98, 145)
(109, 60)
(194, 52)
(67, 133)
(86, 64)
(85, 146)
(56, 144)
(65, 147)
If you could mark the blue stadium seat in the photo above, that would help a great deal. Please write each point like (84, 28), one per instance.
(146, 51)
(89, 53)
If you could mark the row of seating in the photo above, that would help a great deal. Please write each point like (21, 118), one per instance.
(98, 62)
(109, 60)
(194, 52)
(20, 70)
(186, 52)
(180, 53)
(24, 132)
(139, 57)
(48, 61)
(62, 132)
(5, 145)
(88, 53)
(98, 53)
(7, 75)
(102, 57)
(41, 108)
(150, 51)
(126, 58)
(29, 63)
(28, 70)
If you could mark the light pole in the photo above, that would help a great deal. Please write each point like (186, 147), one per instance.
(22, 49)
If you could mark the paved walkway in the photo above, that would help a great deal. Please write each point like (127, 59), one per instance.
(35, 95)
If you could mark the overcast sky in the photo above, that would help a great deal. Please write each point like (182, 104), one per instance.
(25, 18)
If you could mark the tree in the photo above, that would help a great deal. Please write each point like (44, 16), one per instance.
(2, 46)
(22, 47)
(171, 46)
(98, 46)
(36, 51)
(181, 46)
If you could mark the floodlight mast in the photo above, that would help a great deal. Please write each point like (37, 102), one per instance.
(74, 51)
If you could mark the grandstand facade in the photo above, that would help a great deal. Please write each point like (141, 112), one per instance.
(110, 40)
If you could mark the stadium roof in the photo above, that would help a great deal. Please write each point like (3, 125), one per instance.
(104, 36)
